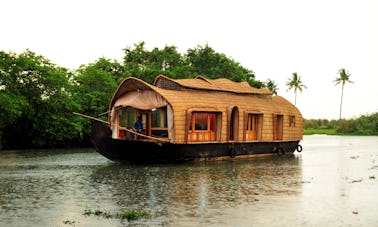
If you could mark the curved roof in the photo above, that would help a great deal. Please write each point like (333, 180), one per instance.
(202, 98)
(221, 84)
(127, 85)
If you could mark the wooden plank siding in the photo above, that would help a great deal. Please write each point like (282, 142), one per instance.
(185, 100)
(181, 101)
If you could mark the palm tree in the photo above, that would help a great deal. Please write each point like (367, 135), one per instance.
(343, 78)
(296, 83)
(272, 86)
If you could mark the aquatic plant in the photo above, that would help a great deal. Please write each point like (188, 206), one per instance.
(69, 222)
(97, 212)
(126, 214)
(356, 181)
(133, 214)
(87, 211)
(231, 184)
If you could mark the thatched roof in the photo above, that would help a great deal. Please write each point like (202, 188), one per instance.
(202, 98)
(202, 83)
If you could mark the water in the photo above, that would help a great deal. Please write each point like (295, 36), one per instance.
(333, 182)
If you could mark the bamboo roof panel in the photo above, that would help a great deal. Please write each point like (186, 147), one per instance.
(221, 84)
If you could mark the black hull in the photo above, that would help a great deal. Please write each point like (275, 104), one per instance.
(139, 151)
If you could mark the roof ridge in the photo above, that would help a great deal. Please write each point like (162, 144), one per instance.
(199, 77)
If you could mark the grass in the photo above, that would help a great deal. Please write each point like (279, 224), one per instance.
(333, 131)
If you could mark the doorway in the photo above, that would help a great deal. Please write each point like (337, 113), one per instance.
(234, 124)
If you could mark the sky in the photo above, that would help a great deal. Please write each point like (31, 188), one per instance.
(274, 38)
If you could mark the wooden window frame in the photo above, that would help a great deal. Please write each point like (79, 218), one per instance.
(153, 130)
(253, 121)
(203, 135)
(292, 120)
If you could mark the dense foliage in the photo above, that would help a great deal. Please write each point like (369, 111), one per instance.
(363, 125)
(36, 101)
(37, 97)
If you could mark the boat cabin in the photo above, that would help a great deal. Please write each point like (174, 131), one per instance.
(201, 110)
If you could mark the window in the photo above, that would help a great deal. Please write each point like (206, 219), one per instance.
(202, 127)
(126, 118)
(253, 127)
(159, 126)
(292, 121)
(159, 118)
(202, 121)
(130, 117)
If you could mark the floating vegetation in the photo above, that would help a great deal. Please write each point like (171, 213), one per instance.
(372, 177)
(354, 157)
(97, 212)
(126, 214)
(356, 181)
(231, 184)
(296, 183)
(133, 214)
(69, 222)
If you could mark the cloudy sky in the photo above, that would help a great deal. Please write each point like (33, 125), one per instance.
(274, 38)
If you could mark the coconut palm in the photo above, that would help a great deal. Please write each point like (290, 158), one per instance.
(344, 76)
(295, 83)
(272, 86)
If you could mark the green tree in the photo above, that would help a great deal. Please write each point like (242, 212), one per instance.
(37, 100)
(146, 65)
(272, 86)
(95, 84)
(295, 83)
(12, 101)
(207, 62)
(344, 76)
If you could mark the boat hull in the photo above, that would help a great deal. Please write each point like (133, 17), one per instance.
(141, 151)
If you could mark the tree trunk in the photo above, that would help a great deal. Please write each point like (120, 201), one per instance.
(341, 101)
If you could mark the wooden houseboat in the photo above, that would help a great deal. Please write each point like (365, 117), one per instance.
(195, 119)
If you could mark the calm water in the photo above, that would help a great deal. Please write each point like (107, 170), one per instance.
(333, 182)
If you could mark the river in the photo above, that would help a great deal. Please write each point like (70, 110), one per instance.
(333, 182)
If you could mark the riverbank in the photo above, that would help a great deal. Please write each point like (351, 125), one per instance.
(365, 125)
(333, 132)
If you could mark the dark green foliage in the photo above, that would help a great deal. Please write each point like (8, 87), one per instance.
(146, 65)
(215, 65)
(133, 214)
(204, 61)
(95, 85)
(363, 125)
(272, 86)
(36, 97)
(128, 214)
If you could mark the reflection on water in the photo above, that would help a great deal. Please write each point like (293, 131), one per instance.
(196, 191)
(332, 180)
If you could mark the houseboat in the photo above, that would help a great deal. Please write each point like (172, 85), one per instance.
(195, 119)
